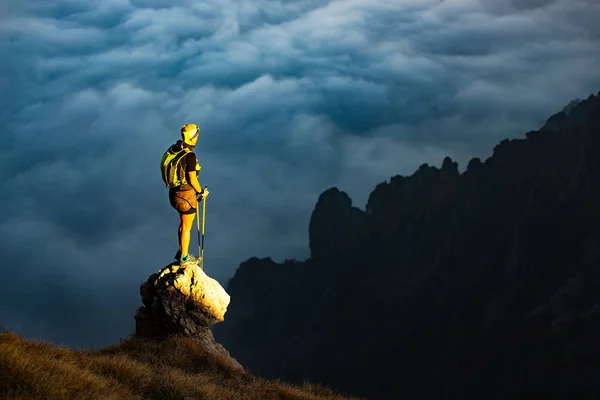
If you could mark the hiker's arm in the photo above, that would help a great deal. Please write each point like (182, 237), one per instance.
(192, 178)
(191, 164)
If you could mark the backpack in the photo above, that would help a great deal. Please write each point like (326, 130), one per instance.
(171, 169)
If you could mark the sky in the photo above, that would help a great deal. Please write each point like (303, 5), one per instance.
(292, 98)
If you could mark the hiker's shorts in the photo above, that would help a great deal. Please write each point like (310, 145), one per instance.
(184, 201)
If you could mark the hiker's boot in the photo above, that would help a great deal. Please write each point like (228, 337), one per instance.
(189, 260)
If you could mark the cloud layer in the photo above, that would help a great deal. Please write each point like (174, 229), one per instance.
(292, 97)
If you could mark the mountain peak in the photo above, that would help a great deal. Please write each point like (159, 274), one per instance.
(478, 277)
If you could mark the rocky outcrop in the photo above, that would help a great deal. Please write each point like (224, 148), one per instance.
(334, 226)
(483, 284)
(184, 301)
(180, 301)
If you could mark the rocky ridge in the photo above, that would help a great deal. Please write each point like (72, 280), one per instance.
(483, 284)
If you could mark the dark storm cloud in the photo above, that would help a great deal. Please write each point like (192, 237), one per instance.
(292, 97)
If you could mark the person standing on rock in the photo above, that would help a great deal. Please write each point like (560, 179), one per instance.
(179, 168)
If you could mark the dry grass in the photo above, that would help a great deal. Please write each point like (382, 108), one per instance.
(174, 369)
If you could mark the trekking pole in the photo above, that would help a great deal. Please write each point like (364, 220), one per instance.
(201, 251)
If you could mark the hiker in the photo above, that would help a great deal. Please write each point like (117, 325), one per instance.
(179, 168)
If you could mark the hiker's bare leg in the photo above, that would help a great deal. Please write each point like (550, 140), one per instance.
(179, 235)
(185, 226)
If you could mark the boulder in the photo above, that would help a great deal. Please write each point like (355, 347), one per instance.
(180, 300)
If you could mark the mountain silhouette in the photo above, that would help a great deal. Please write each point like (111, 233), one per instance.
(480, 285)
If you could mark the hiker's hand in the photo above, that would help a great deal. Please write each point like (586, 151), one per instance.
(202, 196)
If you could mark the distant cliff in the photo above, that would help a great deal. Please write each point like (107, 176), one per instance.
(484, 284)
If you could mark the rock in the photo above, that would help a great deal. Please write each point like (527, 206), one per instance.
(333, 217)
(180, 301)
(457, 280)
(474, 164)
(449, 168)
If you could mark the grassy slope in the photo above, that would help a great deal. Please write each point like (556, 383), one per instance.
(177, 368)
